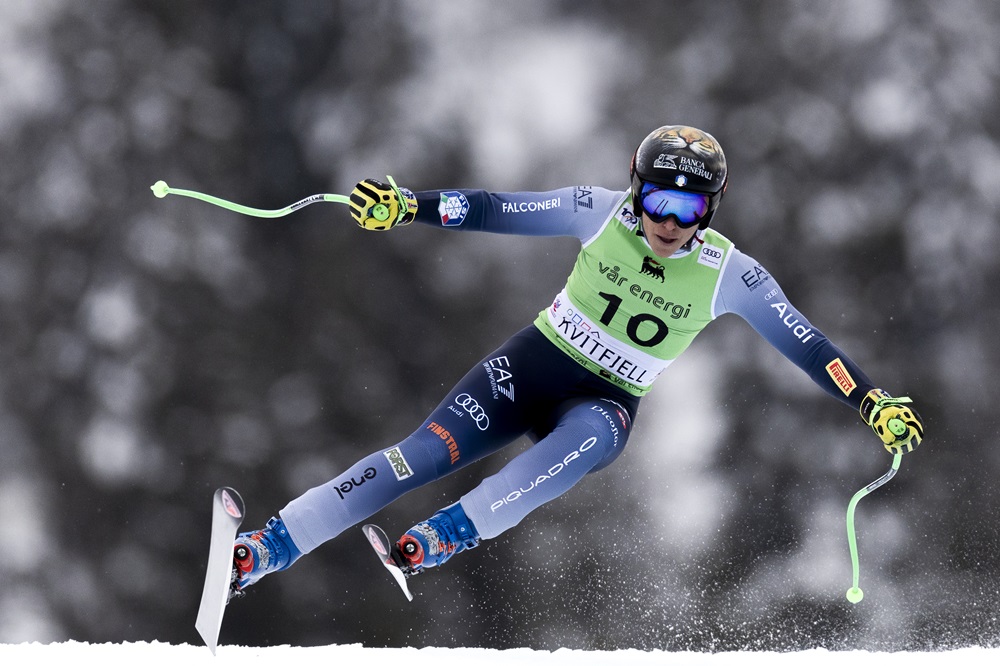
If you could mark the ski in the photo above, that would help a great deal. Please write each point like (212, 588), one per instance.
(383, 548)
(227, 514)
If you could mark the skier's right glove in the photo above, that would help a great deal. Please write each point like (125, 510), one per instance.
(897, 425)
(380, 207)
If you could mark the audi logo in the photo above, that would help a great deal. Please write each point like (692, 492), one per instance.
(478, 414)
(711, 253)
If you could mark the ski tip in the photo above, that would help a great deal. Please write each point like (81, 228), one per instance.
(380, 543)
(231, 501)
(377, 539)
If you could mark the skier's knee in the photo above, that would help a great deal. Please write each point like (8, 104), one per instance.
(610, 424)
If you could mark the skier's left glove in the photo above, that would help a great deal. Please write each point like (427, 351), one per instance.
(380, 207)
(896, 424)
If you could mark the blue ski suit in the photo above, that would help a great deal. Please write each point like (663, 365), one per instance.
(569, 382)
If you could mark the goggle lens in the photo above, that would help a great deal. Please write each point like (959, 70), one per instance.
(688, 208)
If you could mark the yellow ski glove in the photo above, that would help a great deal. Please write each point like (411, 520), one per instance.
(380, 207)
(896, 424)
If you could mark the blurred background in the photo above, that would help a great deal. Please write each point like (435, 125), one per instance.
(152, 350)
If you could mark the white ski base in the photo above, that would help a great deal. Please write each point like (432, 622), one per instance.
(227, 514)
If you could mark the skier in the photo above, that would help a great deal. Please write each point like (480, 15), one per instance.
(650, 276)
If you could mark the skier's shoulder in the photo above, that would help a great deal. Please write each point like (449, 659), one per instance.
(595, 198)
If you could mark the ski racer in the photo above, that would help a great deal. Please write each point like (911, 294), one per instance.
(651, 274)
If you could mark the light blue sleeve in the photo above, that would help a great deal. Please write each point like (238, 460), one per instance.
(570, 211)
(748, 290)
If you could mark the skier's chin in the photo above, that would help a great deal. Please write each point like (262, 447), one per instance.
(665, 247)
(665, 239)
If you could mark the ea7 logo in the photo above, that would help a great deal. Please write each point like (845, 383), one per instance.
(582, 198)
(501, 378)
(754, 277)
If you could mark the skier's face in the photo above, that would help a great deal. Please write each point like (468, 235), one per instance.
(665, 237)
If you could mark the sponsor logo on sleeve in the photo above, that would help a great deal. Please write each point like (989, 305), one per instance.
(583, 198)
(841, 376)
(530, 206)
(755, 277)
(787, 315)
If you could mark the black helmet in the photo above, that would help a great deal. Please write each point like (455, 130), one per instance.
(682, 158)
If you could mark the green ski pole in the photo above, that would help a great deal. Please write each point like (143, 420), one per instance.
(161, 189)
(854, 595)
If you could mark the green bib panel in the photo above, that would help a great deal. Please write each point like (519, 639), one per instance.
(625, 313)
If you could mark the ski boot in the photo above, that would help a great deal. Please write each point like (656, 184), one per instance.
(433, 542)
(256, 554)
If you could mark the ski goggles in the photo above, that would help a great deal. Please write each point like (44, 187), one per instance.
(659, 203)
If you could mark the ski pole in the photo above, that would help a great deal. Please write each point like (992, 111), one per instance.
(161, 189)
(854, 595)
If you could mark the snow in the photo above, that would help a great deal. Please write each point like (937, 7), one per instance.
(151, 654)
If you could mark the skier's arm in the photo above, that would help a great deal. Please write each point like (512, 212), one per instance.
(569, 211)
(748, 290)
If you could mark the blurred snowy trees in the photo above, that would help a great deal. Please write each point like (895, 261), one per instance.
(151, 350)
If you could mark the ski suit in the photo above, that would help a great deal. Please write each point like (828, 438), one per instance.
(573, 379)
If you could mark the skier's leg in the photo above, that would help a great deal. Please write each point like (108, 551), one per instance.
(323, 512)
(473, 421)
(588, 436)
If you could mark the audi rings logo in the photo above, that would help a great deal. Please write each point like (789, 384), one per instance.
(473, 408)
(711, 256)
